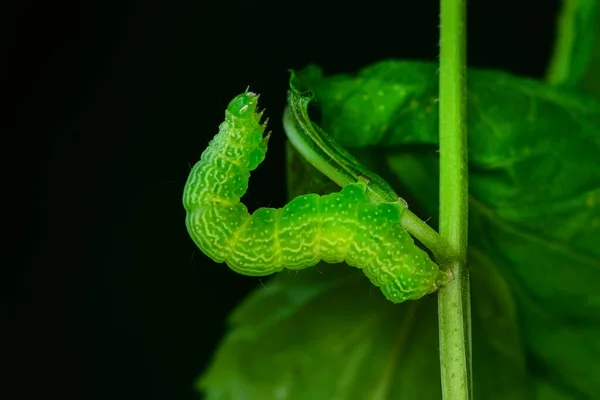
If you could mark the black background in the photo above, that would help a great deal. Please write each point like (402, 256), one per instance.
(109, 104)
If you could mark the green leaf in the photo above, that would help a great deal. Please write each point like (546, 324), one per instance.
(326, 334)
(535, 196)
(534, 259)
(575, 62)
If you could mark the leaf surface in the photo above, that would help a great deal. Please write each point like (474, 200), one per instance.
(533, 237)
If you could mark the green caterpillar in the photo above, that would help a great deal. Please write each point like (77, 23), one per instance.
(337, 227)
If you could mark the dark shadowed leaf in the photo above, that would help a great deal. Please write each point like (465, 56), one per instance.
(324, 333)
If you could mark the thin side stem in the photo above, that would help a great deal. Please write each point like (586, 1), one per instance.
(453, 299)
(426, 235)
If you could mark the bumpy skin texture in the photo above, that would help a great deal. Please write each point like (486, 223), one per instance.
(337, 227)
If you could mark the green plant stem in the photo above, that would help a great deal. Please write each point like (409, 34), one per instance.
(453, 299)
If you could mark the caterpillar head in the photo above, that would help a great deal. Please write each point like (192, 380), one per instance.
(244, 128)
(243, 104)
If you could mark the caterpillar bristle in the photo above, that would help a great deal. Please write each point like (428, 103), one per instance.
(267, 137)
(266, 121)
(404, 202)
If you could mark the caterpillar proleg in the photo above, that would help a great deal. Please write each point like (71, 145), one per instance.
(343, 226)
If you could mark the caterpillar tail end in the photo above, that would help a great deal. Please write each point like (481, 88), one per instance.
(443, 278)
(399, 292)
